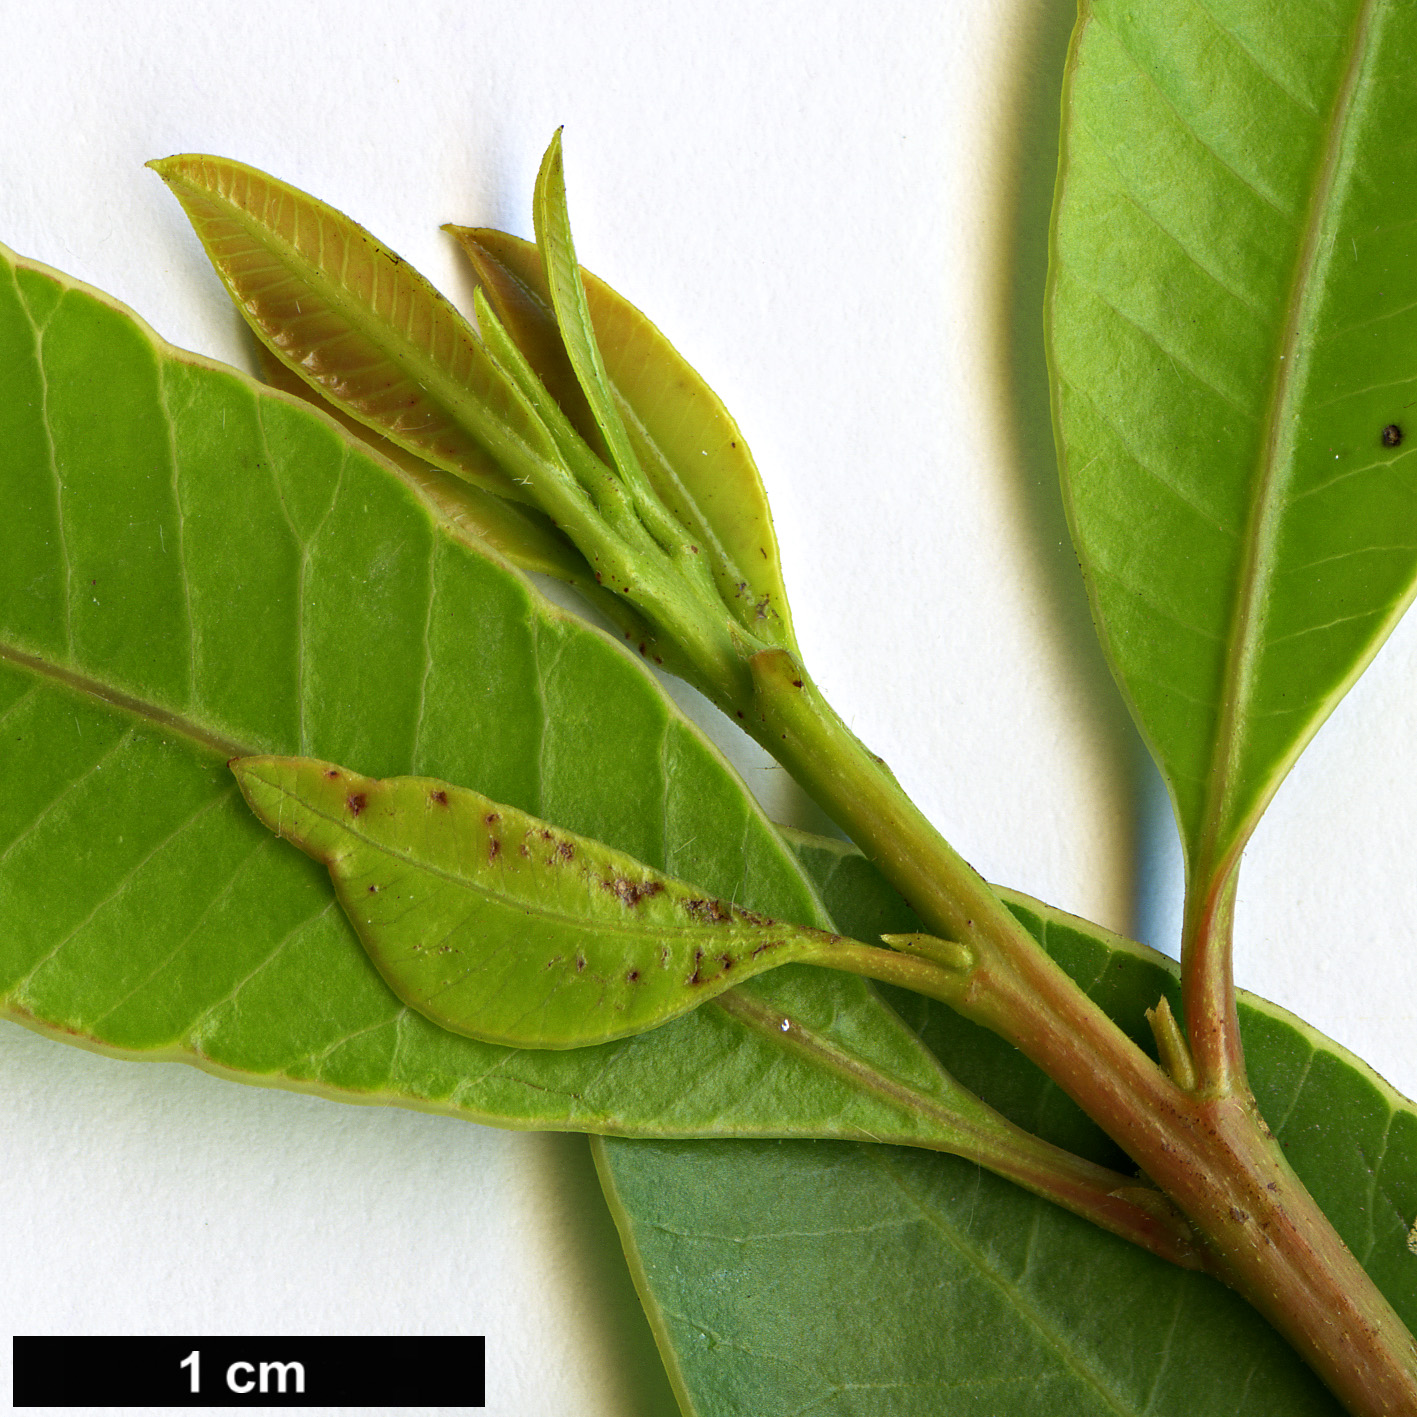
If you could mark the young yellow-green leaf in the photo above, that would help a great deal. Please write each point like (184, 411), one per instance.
(496, 925)
(568, 300)
(687, 442)
(346, 313)
(682, 536)
(1233, 324)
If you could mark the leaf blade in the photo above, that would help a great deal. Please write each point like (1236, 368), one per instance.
(338, 308)
(496, 925)
(1236, 597)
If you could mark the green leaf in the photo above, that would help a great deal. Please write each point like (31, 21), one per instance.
(337, 307)
(521, 534)
(518, 533)
(195, 568)
(968, 1296)
(497, 925)
(1233, 323)
(685, 439)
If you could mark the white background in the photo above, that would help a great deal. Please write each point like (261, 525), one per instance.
(837, 211)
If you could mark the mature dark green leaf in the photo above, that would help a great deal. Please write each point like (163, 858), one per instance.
(996, 1304)
(1233, 314)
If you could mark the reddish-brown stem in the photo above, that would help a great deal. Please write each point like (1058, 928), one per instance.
(1209, 1150)
(1208, 986)
(965, 1126)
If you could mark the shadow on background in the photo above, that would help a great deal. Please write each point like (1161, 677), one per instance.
(1028, 166)
(588, 1243)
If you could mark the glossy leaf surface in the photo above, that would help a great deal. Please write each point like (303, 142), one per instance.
(685, 439)
(968, 1297)
(338, 308)
(496, 924)
(1233, 313)
(194, 569)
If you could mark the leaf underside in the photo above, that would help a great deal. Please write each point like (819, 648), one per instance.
(1233, 327)
(336, 306)
(194, 568)
(497, 925)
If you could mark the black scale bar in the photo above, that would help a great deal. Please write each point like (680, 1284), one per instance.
(249, 1372)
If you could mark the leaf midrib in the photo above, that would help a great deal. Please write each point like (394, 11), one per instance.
(106, 693)
(418, 364)
(805, 933)
(1217, 853)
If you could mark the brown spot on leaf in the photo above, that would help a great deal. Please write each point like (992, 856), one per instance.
(694, 977)
(1237, 1215)
(796, 683)
(632, 976)
(565, 850)
(355, 803)
(580, 963)
(492, 818)
(1392, 436)
(766, 946)
(523, 849)
(726, 961)
(332, 773)
(439, 796)
(494, 849)
(631, 893)
(711, 912)
(373, 890)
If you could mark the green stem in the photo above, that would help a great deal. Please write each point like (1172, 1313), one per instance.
(1210, 1152)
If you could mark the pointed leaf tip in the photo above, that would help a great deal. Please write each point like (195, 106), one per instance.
(344, 312)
